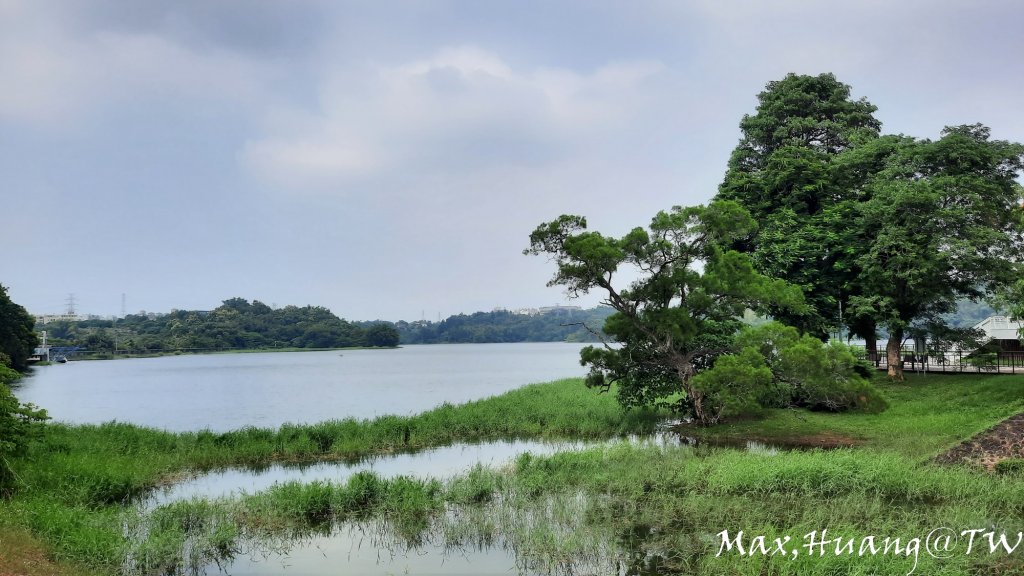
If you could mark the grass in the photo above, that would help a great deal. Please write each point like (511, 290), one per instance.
(23, 554)
(75, 479)
(652, 508)
(926, 415)
(663, 505)
(114, 462)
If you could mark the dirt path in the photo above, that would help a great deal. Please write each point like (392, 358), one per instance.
(1002, 441)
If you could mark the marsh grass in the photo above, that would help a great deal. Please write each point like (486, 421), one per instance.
(74, 482)
(640, 508)
(651, 509)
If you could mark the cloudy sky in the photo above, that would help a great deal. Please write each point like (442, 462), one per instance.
(389, 159)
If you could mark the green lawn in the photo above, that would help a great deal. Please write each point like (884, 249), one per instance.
(927, 414)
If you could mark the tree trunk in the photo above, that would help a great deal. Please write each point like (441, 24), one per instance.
(871, 347)
(893, 357)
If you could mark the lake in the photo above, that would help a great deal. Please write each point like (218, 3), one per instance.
(229, 391)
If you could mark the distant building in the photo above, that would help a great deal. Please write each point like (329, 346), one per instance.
(47, 318)
(556, 309)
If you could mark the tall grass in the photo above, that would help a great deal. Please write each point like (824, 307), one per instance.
(74, 478)
(598, 510)
(652, 508)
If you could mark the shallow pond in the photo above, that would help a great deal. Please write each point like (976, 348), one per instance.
(372, 547)
(439, 463)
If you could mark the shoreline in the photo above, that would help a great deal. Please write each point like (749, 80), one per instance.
(122, 356)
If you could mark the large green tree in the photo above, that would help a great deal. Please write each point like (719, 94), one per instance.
(942, 222)
(17, 334)
(799, 169)
(17, 420)
(681, 312)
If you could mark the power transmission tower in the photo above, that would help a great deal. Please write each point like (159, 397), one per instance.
(71, 304)
(123, 307)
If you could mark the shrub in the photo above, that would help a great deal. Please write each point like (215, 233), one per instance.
(18, 425)
(775, 366)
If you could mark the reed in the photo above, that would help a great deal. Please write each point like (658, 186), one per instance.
(648, 507)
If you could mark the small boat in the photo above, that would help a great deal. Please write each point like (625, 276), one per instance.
(61, 359)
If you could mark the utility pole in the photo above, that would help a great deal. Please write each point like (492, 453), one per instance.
(123, 307)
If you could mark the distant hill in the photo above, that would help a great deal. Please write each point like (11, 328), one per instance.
(237, 324)
(969, 313)
(559, 324)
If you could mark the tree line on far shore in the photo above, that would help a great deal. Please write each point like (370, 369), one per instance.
(244, 325)
(235, 324)
(559, 325)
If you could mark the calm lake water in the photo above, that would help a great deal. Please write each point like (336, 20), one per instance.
(229, 391)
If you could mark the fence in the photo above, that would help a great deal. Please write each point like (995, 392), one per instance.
(950, 360)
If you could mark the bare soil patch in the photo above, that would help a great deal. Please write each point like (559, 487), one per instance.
(1002, 441)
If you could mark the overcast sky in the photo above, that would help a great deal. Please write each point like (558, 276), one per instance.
(389, 159)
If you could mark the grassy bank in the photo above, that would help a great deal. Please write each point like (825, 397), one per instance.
(926, 414)
(618, 505)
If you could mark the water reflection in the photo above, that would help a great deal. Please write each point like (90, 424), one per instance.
(506, 534)
(371, 548)
(440, 463)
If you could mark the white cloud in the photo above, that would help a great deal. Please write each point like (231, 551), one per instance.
(461, 110)
(58, 75)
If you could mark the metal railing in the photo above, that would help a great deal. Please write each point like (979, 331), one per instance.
(949, 360)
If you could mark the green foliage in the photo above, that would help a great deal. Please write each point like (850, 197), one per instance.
(8, 375)
(561, 325)
(682, 311)
(235, 325)
(737, 385)
(892, 229)
(798, 169)
(943, 223)
(775, 366)
(19, 424)
(382, 335)
(17, 337)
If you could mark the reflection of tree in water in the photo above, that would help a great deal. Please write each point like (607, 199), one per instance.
(548, 535)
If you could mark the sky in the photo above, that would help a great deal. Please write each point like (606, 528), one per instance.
(389, 159)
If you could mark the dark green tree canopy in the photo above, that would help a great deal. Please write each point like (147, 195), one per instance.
(943, 222)
(879, 231)
(17, 334)
(236, 324)
(797, 115)
(799, 167)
